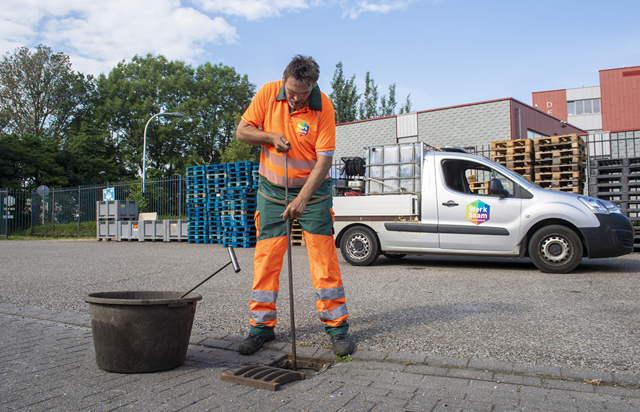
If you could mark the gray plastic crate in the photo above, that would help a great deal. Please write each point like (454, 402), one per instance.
(151, 230)
(102, 209)
(117, 209)
(176, 230)
(106, 229)
(127, 230)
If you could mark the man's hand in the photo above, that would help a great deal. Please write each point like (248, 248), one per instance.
(280, 143)
(295, 209)
(298, 206)
(252, 135)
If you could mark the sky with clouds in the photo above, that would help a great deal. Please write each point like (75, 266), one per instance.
(442, 52)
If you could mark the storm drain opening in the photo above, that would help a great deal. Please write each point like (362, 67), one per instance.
(279, 372)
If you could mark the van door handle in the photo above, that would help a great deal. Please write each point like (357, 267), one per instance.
(450, 203)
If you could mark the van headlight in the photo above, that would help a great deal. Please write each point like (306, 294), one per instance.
(599, 206)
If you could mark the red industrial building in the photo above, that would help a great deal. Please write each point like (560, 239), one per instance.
(610, 112)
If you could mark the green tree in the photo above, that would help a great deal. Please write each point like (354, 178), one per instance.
(406, 108)
(27, 162)
(211, 97)
(238, 151)
(39, 93)
(351, 106)
(369, 104)
(222, 96)
(344, 96)
(130, 95)
(388, 107)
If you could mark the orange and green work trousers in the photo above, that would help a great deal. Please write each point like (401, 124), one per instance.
(317, 224)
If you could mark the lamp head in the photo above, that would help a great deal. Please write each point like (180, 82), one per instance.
(171, 114)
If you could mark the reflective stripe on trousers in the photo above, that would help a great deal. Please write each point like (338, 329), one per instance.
(268, 262)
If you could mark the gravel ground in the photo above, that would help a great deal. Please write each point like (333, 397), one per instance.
(491, 309)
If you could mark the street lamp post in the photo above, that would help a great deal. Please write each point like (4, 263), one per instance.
(144, 143)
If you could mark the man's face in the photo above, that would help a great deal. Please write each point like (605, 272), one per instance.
(298, 93)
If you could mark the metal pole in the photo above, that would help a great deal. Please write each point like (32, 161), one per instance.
(53, 207)
(293, 322)
(144, 151)
(79, 204)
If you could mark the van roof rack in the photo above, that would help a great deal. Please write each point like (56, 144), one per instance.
(456, 149)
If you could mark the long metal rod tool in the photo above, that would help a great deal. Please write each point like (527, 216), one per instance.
(293, 322)
(234, 262)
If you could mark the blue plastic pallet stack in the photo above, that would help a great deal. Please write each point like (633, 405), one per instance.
(239, 205)
(198, 230)
(216, 183)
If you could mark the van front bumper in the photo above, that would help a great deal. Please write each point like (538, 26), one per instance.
(614, 237)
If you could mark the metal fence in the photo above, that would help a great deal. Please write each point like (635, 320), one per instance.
(71, 211)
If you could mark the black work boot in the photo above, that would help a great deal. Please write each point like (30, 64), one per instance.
(342, 345)
(253, 343)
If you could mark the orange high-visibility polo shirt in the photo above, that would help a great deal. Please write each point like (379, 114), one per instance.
(308, 130)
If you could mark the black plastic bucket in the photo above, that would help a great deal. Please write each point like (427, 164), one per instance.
(141, 332)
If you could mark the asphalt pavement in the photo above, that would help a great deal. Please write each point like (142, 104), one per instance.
(471, 334)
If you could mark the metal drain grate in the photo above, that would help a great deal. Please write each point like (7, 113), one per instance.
(263, 377)
(277, 373)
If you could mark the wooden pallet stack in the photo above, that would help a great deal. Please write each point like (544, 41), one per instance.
(560, 163)
(480, 188)
(516, 155)
(297, 237)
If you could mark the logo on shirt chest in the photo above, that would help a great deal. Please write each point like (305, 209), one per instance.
(302, 129)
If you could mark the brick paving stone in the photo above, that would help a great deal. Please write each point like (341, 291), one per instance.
(406, 357)
(276, 346)
(421, 402)
(537, 370)
(215, 343)
(485, 364)
(325, 354)
(466, 405)
(388, 366)
(627, 378)
(446, 361)
(442, 382)
(470, 374)
(427, 370)
(622, 404)
(583, 375)
(517, 379)
(617, 391)
(369, 355)
(568, 385)
(402, 392)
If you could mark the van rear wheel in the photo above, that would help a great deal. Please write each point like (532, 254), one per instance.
(359, 246)
(555, 249)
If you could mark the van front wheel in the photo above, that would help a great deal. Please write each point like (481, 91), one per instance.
(359, 246)
(555, 249)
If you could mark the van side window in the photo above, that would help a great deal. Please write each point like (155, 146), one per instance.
(474, 178)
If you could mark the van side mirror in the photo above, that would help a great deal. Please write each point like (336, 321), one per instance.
(496, 188)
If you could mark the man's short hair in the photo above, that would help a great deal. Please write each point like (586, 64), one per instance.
(303, 69)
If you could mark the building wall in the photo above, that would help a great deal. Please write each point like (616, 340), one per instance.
(351, 138)
(620, 90)
(553, 102)
(469, 125)
(473, 125)
(585, 121)
(537, 121)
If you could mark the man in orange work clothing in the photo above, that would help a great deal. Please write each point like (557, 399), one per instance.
(294, 116)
